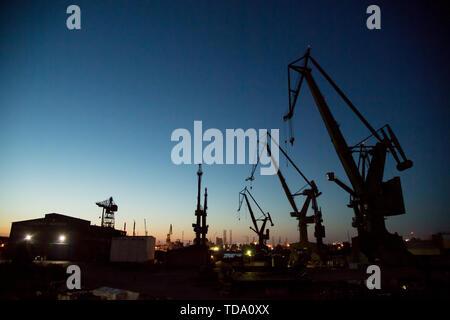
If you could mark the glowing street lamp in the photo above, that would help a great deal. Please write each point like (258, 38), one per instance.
(62, 238)
(28, 237)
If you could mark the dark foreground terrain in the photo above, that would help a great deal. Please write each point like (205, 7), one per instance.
(47, 280)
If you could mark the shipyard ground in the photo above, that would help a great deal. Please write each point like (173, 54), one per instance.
(47, 280)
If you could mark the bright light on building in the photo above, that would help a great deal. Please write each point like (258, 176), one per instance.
(249, 253)
(28, 237)
(216, 249)
(62, 238)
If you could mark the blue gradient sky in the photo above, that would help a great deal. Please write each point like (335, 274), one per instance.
(88, 114)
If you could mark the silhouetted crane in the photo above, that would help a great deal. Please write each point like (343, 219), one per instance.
(371, 198)
(200, 227)
(109, 208)
(311, 197)
(262, 237)
(311, 193)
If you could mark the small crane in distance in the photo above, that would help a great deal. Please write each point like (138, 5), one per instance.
(109, 208)
(263, 234)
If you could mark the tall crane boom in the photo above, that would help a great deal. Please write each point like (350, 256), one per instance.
(311, 196)
(259, 230)
(371, 198)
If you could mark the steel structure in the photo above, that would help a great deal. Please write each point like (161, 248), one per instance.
(311, 192)
(371, 198)
(200, 227)
(168, 241)
(109, 208)
(263, 234)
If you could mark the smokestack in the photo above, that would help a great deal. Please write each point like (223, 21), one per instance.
(225, 238)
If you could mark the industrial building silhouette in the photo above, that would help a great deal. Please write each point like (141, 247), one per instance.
(61, 237)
